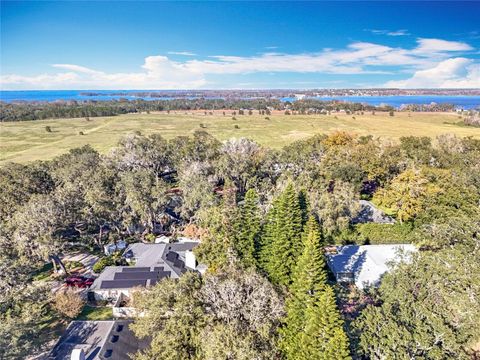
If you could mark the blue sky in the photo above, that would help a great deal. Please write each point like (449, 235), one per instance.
(163, 45)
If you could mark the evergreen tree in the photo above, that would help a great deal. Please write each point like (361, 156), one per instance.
(313, 325)
(266, 239)
(324, 337)
(309, 277)
(248, 229)
(284, 236)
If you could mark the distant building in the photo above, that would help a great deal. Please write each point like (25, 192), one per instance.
(364, 265)
(97, 340)
(370, 213)
(150, 264)
(111, 248)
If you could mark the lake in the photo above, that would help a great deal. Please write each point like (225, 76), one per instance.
(465, 102)
(462, 101)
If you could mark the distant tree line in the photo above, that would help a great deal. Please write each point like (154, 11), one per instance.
(442, 107)
(20, 111)
(73, 109)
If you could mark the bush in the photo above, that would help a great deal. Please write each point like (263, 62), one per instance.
(81, 133)
(150, 238)
(372, 233)
(102, 264)
(267, 118)
(68, 303)
(48, 129)
(69, 265)
(115, 259)
(237, 127)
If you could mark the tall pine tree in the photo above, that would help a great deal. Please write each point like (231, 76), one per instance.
(266, 238)
(247, 229)
(313, 325)
(324, 337)
(283, 236)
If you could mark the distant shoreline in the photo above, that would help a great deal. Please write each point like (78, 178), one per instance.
(460, 98)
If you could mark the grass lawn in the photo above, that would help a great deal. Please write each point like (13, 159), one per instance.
(25, 141)
(96, 313)
(43, 273)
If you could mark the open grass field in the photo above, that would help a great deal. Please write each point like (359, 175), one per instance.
(28, 140)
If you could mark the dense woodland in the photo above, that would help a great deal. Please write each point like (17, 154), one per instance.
(264, 218)
(22, 111)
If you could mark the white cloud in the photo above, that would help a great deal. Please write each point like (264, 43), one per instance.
(158, 73)
(161, 72)
(401, 32)
(451, 73)
(183, 53)
(428, 46)
(75, 68)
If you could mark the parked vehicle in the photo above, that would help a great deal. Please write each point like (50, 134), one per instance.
(78, 281)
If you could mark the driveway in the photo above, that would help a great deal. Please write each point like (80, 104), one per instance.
(88, 260)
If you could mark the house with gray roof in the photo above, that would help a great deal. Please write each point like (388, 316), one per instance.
(97, 340)
(369, 213)
(364, 265)
(150, 263)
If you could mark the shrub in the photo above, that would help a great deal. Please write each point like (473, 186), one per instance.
(236, 126)
(267, 118)
(234, 118)
(69, 265)
(48, 129)
(102, 264)
(150, 238)
(391, 113)
(372, 233)
(68, 303)
(81, 133)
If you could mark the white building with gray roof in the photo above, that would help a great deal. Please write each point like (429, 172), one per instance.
(365, 265)
(150, 264)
